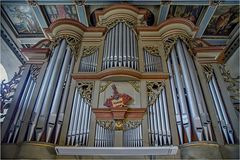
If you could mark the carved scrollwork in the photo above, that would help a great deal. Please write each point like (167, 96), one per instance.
(73, 43)
(135, 84)
(86, 89)
(153, 50)
(103, 87)
(153, 90)
(35, 69)
(119, 124)
(80, 2)
(208, 71)
(8, 89)
(33, 3)
(233, 83)
(88, 50)
(171, 41)
(129, 21)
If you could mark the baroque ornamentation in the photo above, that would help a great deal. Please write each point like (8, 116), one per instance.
(35, 69)
(153, 50)
(88, 50)
(73, 42)
(8, 89)
(171, 41)
(135, 84)
(130, 21)
(80, 2)
(119, 124)
(33, 3)
(103, 87)
(153, 90)
(208, 70)
(86, 89)
(233, 83)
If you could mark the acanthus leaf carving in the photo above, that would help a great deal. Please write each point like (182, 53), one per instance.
(153, 90)
(86, 90)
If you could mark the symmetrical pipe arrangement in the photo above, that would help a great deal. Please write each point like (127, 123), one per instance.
(89, 63)
(78, 131)
(187, 96)
(51, 101)
(223, 119)
(104, 137)
(152, 63)
(133, 137)
(22, 107)
(120, 48)
(159, 126)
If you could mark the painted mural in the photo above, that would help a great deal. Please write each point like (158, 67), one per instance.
(55, 12)
(22, 18)
(223, 21)
(190, 12)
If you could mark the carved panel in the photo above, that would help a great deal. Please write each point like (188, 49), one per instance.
(153, 90)
(86, 89)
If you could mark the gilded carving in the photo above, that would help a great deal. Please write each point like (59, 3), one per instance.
(171, 41)
(233, 83)
(153, 90)
(129, 21)
(153, 50)
(86, 89)
(135, 85)
(103, 87)
(35, 69)
(208, 70)
(119, 124)
(88, 50)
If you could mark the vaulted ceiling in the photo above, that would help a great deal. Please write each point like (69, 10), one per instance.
(23, 22)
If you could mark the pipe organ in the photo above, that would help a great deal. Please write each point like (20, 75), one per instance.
(120, 47)
(119, 84)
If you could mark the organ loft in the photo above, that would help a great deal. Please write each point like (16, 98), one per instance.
(123, 87)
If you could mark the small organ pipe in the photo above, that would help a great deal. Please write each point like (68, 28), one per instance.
(183, 103)
(219, 113)
(79, 115)
(166, 115)
(163, 123)
(225, 117)
(160, 129)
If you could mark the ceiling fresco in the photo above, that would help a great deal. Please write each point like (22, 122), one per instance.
(54, 12)
(190, 12)
(23, 19)
(223, 21)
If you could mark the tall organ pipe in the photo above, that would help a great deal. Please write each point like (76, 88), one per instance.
(192, 100)
(183, 103)
(50, 92)
(43, 90)
(63, 102)
(175, 102)
(166, 116)
(198, 92)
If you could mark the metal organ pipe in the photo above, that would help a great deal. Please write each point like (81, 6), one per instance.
(42, 91)
(120, 50)
(190, 94)
(175, 102)
(183, 103)
(164, 98)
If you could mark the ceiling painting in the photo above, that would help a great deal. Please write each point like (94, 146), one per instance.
(223, 21)
(190, 12)
(55, 12)
(22, 19)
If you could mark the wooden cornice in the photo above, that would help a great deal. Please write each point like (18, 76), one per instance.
(119, 72)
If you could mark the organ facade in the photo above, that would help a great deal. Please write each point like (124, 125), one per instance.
(121, 88)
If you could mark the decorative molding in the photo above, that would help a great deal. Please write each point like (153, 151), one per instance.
(119, 124)
(104, 87)
(86, 90)
(153, 50)
(80, 2)
(135, 85)
(88, 50)
(153, 90)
